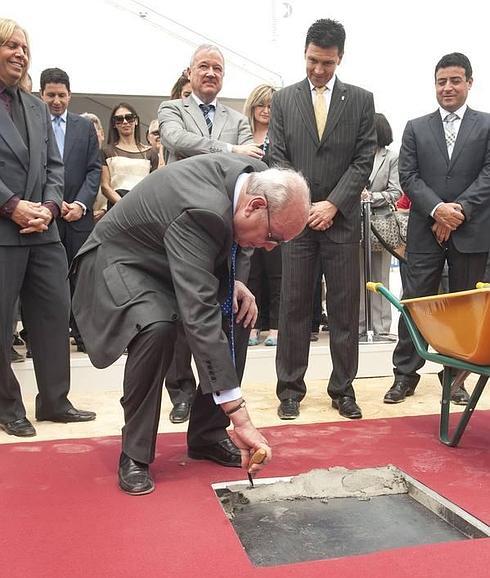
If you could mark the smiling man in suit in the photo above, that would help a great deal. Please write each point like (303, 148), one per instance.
(163, 255)
(79, 147)
(32, 259)
(200, 124)
(323, 128)
(444, 166)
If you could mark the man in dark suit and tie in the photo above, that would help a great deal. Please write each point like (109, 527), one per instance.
(32, 259)
(162, 255)
(79, 148)
(200, 124)
(444, 167)
(325, 129)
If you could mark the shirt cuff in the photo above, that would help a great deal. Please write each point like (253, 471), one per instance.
(84, 208)
(435, 209)
(53, 207)
(7, 209)
(227, 395)
(229, 148)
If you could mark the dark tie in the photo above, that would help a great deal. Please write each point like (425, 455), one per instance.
(17, 113)
(227, 305)
(206, 108)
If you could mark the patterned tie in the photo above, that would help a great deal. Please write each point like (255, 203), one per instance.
(227, 305)
(450, 131)
(320, 110)
(59, 134)
(206, 108)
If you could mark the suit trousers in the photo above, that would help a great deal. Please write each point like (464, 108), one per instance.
(150, 355)
(422, 276)
(264, 282)
(340, 265)
(37, 273)
(72, 240)
(180, 381)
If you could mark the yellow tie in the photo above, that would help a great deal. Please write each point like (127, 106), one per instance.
(320, 110)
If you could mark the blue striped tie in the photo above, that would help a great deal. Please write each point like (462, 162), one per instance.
(206, 108)
(227, 305)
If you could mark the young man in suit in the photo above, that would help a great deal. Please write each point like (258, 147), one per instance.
(323, 128)
(79, 148)
(163, 255)
(32, 260)
(444, 166)
(200, 124)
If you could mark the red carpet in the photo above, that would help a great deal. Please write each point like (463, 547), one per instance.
(62, 515)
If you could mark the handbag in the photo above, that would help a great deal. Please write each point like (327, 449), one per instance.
(389, 231)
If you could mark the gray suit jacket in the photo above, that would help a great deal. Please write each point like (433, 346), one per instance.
(337, 167)
(162, 253)
(33, 174)
(81, 157)
(384, 183)
(184, 132)
(428, 176)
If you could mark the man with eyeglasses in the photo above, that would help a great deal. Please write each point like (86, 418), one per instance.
(32, 259)
(196, 125)
(160, 258)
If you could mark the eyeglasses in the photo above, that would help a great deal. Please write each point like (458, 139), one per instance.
(270, 237)
(155, 133)
(120, 118)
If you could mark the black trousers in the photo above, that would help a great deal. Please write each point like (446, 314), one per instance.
(264, 282)
(421, 277)
(150, 355)
(340, 264)
(38, 274)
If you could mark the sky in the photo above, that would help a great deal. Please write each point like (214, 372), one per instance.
(129, 47)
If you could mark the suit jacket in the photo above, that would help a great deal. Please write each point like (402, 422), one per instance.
(184, 132)
(336, 167)
(33, 174)
(81, 157)
(428, 176)
(384, 183)
(162, 253)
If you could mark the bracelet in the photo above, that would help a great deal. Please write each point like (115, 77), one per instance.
(236, 408)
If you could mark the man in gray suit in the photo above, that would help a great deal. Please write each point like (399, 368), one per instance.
(196, 125)
(79, 148)
(325, 129)
(32, 259)
(444, 166)
(161, 255)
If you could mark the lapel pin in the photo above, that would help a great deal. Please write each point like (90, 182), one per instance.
(343, 97)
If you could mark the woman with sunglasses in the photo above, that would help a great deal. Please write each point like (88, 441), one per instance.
(265, 268)
(125, 160)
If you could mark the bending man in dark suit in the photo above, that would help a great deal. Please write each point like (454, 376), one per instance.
(325, 129)
(77, 141)
(444, 166)
(200, 124)
(161, 256)
(32, 259)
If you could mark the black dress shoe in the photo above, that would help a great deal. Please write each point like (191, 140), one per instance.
(224, 453)
(134, 477)
(399, 391)
(288, 409)
(459, 396)
(70, 415)
(22, 428)
(347, 407)
(180, 412)
(80, 346)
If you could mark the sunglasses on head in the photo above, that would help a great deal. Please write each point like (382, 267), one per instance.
(120, 118)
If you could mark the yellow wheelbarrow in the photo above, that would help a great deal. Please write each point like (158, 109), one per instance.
(457, 327)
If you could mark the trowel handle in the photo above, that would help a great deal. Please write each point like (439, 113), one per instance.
(258, 457)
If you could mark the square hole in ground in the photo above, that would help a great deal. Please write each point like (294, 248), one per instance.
(338, 512)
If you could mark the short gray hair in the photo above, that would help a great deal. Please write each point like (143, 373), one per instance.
(280, 187)
(206, 48)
